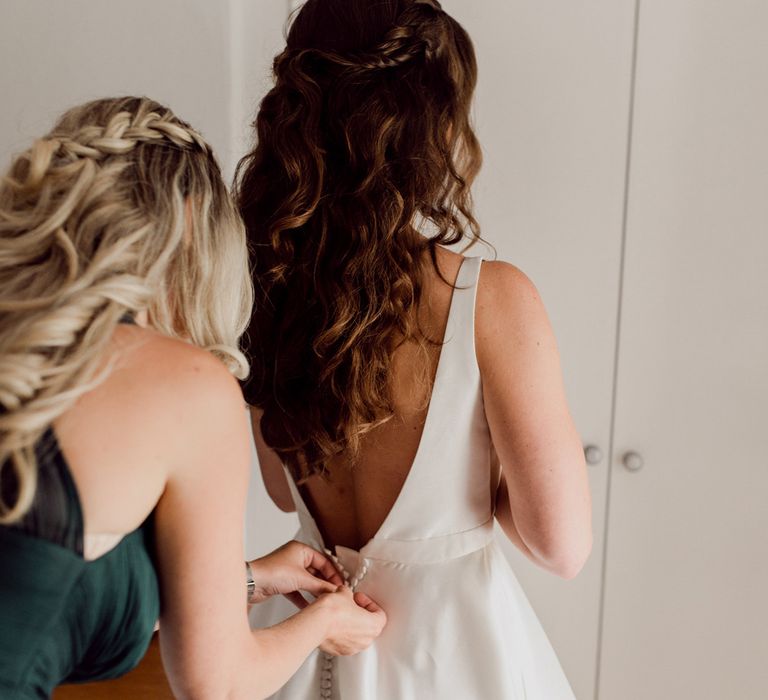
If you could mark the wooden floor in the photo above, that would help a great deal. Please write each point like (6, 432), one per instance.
(147, 682)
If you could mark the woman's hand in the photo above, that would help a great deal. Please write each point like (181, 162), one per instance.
(354, 621)
(292, 568)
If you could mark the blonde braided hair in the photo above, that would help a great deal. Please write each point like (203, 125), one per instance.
(120, 209)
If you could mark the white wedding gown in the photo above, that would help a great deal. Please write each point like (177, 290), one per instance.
(459, 625)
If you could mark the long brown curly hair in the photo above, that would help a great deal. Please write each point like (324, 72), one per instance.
(364, 160)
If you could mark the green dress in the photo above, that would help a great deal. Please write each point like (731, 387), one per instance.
(64, 619)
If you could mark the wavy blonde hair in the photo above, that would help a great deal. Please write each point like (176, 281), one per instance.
(121, 208)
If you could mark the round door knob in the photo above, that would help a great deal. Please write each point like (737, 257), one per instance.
(593, 454)
(633, 461)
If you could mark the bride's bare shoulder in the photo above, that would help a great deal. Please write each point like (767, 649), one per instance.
(510, 312)
(504, 281)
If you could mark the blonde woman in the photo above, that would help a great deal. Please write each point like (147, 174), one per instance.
(123, 438)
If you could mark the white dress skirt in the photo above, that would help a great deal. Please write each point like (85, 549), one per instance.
(459, 625)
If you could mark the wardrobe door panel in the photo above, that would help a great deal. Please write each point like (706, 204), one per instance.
(687, 573)
(552, 115)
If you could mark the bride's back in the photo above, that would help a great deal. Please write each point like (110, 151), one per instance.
(353, 501)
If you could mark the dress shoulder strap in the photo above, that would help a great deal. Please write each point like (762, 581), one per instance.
(56, 514)
(460, 332)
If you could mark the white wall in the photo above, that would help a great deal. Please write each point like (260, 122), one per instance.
(54, 55)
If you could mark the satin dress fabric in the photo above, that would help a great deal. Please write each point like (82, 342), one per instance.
(459, 625)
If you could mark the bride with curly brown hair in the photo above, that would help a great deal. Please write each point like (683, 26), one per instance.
(404, 396)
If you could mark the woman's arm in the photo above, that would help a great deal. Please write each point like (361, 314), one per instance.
(544, 501)
(272, 472)
(208, 649)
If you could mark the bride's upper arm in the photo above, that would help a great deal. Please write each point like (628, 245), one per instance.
(530, 423)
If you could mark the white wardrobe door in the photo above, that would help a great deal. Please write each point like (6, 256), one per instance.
(552, 115)
(686, 614)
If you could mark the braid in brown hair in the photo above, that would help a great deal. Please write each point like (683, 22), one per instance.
(412, 38)
(365, 139)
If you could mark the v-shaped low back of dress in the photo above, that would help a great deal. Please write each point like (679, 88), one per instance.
(459, 625)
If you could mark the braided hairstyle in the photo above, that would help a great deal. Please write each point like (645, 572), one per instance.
(120, 209)
(364, 145)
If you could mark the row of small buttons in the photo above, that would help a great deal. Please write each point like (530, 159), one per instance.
(326, 673)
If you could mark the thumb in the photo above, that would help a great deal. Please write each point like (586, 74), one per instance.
(366, 602)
